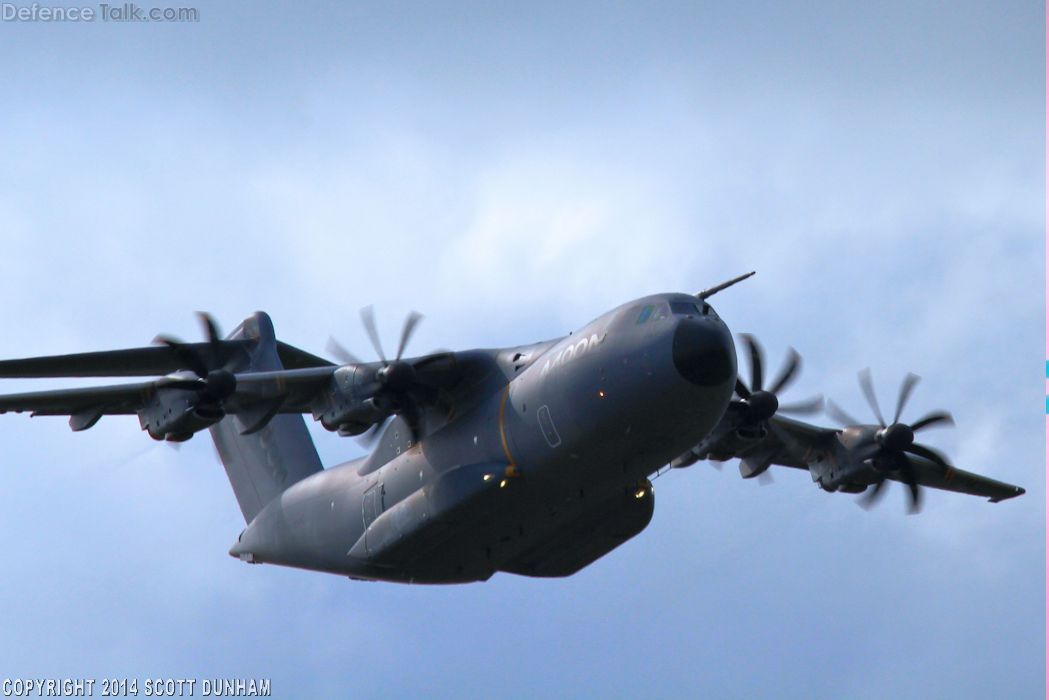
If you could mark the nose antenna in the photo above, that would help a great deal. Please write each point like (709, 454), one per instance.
(707, 293)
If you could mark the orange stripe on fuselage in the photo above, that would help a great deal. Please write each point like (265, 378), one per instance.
(502, 427)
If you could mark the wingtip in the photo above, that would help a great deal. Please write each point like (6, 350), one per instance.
(1017, 491)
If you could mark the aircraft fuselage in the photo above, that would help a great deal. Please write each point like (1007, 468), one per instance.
(540, 468)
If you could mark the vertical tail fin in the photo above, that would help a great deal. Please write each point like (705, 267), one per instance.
(260, 466)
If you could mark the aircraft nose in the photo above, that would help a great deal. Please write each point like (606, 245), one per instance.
(703, 352)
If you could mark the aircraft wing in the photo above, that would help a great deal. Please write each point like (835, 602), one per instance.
(796, 444)
(146, 362)
(295, 388)
(789, 443)
(118, 399)
(281, 391)
(961, 481)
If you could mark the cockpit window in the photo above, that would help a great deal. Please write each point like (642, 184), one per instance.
(684, 308)
(652, 312)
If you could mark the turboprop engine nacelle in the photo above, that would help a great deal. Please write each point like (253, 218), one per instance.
(840, 470)
(176, 414)
(348, 406)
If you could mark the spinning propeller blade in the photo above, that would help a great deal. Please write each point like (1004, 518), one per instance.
(868, 391)
(340, 352)
(762, 404)
(368, 319)
(398, 387)
(888, 446)
(215, 383)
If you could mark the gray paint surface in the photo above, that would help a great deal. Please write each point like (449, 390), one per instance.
(263, 465)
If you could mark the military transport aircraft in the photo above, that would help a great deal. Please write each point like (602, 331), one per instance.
(534, 460)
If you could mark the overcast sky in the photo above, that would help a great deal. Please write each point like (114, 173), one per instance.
(513, 171)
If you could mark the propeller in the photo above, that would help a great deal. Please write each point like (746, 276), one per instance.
(397, 387)
(889, 445)
(215, 383)
(763, 403)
